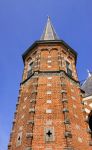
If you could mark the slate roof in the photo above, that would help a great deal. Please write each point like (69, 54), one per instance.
(49, 36)
(87, 85)
(49, 32)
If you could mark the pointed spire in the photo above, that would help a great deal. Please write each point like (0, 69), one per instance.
(49, 32)
(89, 73)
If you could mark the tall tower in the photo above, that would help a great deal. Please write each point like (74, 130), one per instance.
(49, 112)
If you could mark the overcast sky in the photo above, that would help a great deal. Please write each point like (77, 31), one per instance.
(21, 23)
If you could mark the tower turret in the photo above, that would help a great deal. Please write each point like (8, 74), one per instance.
(49, 113)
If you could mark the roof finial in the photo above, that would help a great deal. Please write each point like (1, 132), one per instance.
(48, 17)
(49, 32)
(89, 74)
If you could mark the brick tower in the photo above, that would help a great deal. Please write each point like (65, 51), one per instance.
(49, 112)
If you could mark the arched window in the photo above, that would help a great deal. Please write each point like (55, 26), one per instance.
(30, 67)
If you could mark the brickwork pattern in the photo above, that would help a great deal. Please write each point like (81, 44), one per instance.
(49, 101)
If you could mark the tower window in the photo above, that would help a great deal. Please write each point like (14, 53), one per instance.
(68, 70)
(49, 134)
(30, 67)
(19, 139)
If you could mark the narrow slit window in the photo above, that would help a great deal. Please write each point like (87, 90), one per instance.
(19, 139)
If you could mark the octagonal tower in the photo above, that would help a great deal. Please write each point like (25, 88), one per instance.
(49, 112)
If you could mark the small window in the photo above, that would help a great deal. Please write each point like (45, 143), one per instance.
(49, 134)
(67, 64)
(30, 67)
(69, 71)
(19, 139)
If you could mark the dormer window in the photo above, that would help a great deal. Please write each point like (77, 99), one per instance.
(30, 67)
(68, 69)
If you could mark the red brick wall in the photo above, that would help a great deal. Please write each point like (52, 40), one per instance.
(65, 94)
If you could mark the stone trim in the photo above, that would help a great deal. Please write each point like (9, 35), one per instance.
(57, 73)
